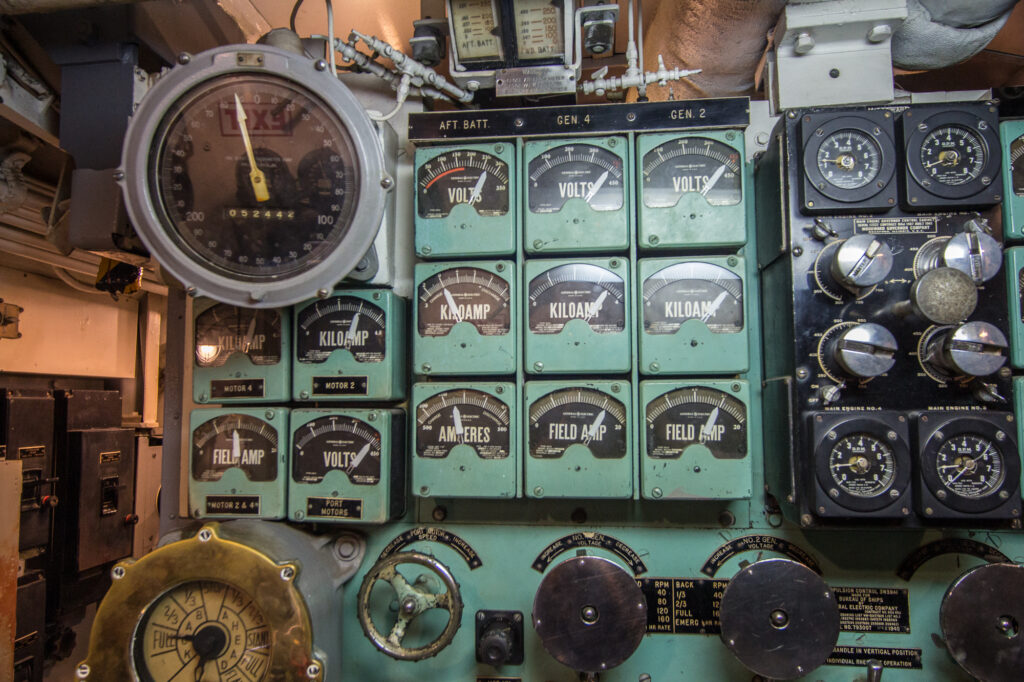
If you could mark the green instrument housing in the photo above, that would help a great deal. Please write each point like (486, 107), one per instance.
(1014, 266)
(1012, 135)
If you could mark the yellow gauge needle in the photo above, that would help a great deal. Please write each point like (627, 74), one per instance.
(256, 177)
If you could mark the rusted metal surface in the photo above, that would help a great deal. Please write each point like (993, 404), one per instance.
(10, 508)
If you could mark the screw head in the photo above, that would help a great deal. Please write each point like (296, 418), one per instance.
(941, 494)
(287, 573)
(657, 492)
(313, 670)
(538, 366)
(117, 572)
(269, 414)
(320, 65)
(205, 535)
(183, 59)
(304, 395)
(387, 182)
(82, 672)
(538, 491)
(425, 368)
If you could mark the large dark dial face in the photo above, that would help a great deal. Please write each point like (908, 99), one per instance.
(696, 415)
(1017, 165)
(953, 155)
(849, 159)
(693, 291)
(577, 291)
(583, 416)
(575, 171)
(462, 177)
(692, 164)
(862, 465)
(224, 329)
(336, 443)
(346, 322)
(234, 440)
(471, 295)
(255, 177)
(462, 417)
(970, 465)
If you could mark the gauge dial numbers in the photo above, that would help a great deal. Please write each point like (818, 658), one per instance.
(847, 160)
(474, 25)
(578, 416)
(577, 291)
(234, 441)
(1017, 166)
(336, 443)
(467, 177)
(575, 171)
(862, 465)
(223, 330)
(693, 290)
(970, 466)
(692, 165)
(341, 322)
(696, 415)
(463, 417)
(953, 155)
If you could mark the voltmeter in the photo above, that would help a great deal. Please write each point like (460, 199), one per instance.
(577, 195)
(697, 443)
(693, 318)
(579, 439)
(1013, 179)
(691, 190)
(578, 316)
(1015, 301)
(465, 318)
(347, 466)
(240, 354)
(350, 346)
(465, 203)
(237, 462)
(465, 442)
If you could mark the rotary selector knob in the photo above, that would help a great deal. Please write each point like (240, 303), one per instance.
(944, 296)
(865, 351)
(973, 349)
(496, 644)
(860, 262)
(974, 252)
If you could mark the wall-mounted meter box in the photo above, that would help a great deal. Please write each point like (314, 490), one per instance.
(692, 318)
(1015, 301)
(697, 444)
(466, 440)
(238, 463)
(1013, 179)
(347, 466)
(691, 190)
(240, 355)
(578, 316)
(576, 195)
(465, 201)
(465, 318)
(350, 346)
(579, 439)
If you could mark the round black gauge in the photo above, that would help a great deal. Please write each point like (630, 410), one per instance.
(577, 291)
(463, 176)
(336, 443)
(692, 165)
(953, 155)
(696, 415)
(234, 440)
(462, 417)
(222, 330)
(970, 465)
(693, 291)
(347, 322)
(575, 171)
(1017, 166)
(849, 159)
(464, 294)
(583, 416)
(862, 465)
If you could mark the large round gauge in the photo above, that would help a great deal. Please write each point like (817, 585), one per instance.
(862, 465)
(462, 176)
(970, 465)
(222, 330)
(462, 417)
(693, 291)
(692, 165)
(1017, 166)
(577, 291)
(202, 631)
(253, 177)
(346, 322)
(336, 443)
(953, 155)
(849, 159)
(696, 415)
(575, 171)
(234, 440)
(463, 294)
(583, 416)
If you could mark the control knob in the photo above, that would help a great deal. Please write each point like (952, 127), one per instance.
(861, 262)
(865, 351)
(973, 252)
(973, 349)
(942, 296)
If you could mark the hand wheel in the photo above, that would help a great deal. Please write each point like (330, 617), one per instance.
(412, 601)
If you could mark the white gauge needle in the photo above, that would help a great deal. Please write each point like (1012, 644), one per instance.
(591, 431)
(451, 305)
(256, 176)
(350, 335)
(236, 448)
(713, 180)
(713, 308)
(705, 431)
(596, 187)
(474, 196)
(357, 460)
(598, 304)
(457, 418)
(250, 334)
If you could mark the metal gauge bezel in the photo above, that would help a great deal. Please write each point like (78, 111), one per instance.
(295, 72)
(820, 195)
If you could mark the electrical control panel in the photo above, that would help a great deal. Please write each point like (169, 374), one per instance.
(26, 434)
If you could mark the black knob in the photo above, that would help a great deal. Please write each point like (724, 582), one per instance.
(495, 645)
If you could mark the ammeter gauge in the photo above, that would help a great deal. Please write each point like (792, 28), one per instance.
(540, 30)
(1012, 134)
(1015, 295)
(253, 176)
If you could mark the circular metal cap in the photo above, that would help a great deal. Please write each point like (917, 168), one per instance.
(944, 296)
(590, 614)
(974, 349)
(976, 254)
(862, 261)
(866, 350)
(981, 617)
(779, 618)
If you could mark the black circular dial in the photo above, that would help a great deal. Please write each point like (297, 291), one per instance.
(693, 291)
(849, 159)
(336, 443)
(255, 177)
(463, 176)
(341, 322)
(582, 416)
(224, 329)
(462, 417)
(953, 155)
(575, 171)
(692, 164)
(466, 294)
(970, 465)
(696, 415)
(862, 465)
(1017, 166)
(234, 440)
(577, 291)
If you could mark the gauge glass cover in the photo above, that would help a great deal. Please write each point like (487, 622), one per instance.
(474, 23)
(540, 31)
(336, 443)
(580, 171)
(234, 440)
(696, 415)
(1017, 166)
(223, 330)
(692, 165)
(463, 176)
(953, 155)
(465, 294)
(862, 465)
(849, 159)
(462, 417)
(970, 466)
(693, 291)
(347, 322)
(577, 291)
(583, 416)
